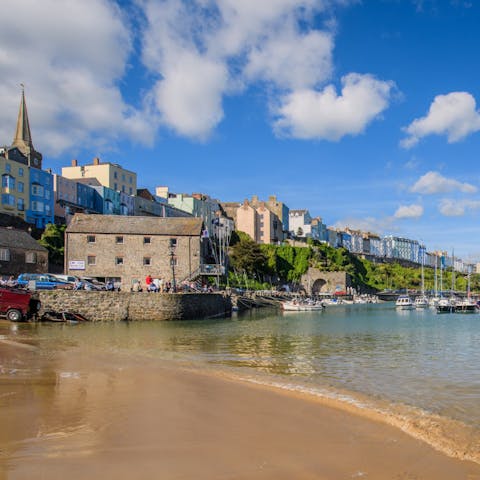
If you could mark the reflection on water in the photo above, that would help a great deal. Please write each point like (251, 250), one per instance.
(416, 358)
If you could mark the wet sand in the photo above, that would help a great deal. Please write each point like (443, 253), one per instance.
(99, 419)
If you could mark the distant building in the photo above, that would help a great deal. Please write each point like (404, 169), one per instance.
(20, 253)
(300, 223)
(278, 208)
(127, 249)
(110, 175)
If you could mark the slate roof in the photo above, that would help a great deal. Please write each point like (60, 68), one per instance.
(11, 238)
(120, 224)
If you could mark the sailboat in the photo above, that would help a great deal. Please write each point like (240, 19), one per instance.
(422, 300)
(447, 305)
(434, 300)
(467, 305)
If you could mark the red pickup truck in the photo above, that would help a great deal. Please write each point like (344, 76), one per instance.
(17, 304)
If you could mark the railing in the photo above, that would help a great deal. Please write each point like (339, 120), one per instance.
(212, 269)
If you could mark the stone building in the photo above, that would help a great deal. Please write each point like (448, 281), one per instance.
(126, 249)
(20, 253)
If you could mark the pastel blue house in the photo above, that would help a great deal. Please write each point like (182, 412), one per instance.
(40, 205)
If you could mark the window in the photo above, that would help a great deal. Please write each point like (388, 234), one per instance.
(20, 204)
(129, 179)
(20, 172)
(8, 168)
(123, 177)
(8, 181)
(173, 242)
(115, 186)
(119, 239)
(147, 240)
(130, 190)
(115, 175)
(118, 260)
(37, 206)
(4, 254)
(37, 190)
(47, 194)
(90, 238)
(123, 188)
(147, 261)
(20, 187)
(8, 200)
(91, 260)
(30, 257)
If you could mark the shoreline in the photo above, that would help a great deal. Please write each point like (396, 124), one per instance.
(420, 425)
(127, 418)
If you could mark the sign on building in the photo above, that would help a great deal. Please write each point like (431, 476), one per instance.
(76, 265)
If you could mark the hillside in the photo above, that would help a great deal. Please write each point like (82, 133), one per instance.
(272, 264)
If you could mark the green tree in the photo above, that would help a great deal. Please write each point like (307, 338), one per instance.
(246, 256)
(53, 239)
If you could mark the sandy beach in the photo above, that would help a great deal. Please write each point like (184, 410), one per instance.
(156, 422)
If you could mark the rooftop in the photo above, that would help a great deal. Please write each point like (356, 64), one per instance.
(114, 224)
(11, 238)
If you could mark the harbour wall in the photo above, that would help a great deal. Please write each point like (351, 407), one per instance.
(136, 306)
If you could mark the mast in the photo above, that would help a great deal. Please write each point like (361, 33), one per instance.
(453, 273)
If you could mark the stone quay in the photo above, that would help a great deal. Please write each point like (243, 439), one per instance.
(136, 306)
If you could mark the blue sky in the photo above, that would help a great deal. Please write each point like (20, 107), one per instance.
(363, 112)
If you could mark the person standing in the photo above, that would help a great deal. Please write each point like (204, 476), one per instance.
(148, 281)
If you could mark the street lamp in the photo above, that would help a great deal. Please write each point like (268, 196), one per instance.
(172, 247)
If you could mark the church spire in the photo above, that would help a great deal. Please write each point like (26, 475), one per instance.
(23, 136)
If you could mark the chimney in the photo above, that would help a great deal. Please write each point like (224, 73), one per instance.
(74, 163)
(96, 161)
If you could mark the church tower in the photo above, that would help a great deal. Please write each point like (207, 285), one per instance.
(23, 137)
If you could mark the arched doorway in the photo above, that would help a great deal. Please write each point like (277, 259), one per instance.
(318, 285)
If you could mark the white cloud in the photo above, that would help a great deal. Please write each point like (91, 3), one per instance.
(457, 208)
(291, 60)
(434, 182)
(231, 44)
(409, 211)
(309, 114)
(454, 115)
(204, 50)
(71, 62)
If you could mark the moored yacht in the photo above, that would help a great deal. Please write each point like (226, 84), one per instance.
(446, 305)
(404, 302)
(421, 302)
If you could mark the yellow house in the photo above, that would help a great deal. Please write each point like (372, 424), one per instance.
(15, 186)
(108, 174)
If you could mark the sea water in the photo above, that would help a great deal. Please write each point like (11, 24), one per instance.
(417, 368)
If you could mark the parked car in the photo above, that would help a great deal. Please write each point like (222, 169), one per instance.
(66, 278)
(43, 281)
(17, 304)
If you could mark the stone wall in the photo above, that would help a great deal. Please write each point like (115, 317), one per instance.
(316, 281)
(115, 306)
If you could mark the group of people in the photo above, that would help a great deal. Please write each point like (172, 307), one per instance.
(153, 285)
(8, 282)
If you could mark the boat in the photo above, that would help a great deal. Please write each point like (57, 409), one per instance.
(467, 305)
(446, 305)
(421, 302)
(302, 305)
(404, 302)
